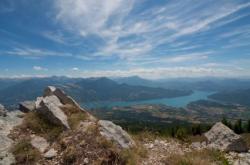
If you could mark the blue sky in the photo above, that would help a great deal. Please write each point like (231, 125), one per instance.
(149, 38)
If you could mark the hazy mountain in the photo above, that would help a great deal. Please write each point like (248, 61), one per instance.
(204, 84)
(4, 83)
(237, 97)
(135, 80)
(84, 90)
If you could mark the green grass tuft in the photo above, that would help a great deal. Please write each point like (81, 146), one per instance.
(25, 153)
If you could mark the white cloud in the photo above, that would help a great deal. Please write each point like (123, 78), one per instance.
(39, 68)
(111, 21)
(168, 72)
(56, 37)
(75, 69)
(190, 57)
(36, 53)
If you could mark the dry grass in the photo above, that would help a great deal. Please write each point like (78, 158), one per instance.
(76, 145)
(75, 115)
(133, 156)
(144, 136)
(196, 138)
(204, 157)
(41, 126)
(246, 137)
(25, 153)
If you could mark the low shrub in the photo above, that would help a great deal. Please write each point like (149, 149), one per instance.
(70, 156)
(25, 153)
(204, 157)
(41, 126)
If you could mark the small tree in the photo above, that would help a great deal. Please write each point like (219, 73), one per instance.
(181, 133)
(248, 126)
(238, 127)
(196, 129)
(226, 122)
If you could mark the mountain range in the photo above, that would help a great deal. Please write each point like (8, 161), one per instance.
(83, 90)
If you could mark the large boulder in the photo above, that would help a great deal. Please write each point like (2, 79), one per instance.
(27, 106)
(64, 99)
(50, 107)
(115, 133)
(62, 96)
(2, 110)
(223, 138)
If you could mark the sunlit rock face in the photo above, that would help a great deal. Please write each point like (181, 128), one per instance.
(223, 138)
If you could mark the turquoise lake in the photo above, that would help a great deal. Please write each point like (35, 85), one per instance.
(175, 102)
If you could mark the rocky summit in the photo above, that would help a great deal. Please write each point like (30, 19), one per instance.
(223, 138)
(56, 130)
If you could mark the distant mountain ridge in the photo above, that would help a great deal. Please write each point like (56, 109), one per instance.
(84, 90)
(237, 97)
(203, 84)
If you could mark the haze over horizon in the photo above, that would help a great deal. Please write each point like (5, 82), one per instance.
(119, 38)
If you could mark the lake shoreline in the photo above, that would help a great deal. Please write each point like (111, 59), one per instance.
(177, 102)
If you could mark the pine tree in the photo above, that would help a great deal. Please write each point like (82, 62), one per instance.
(248, 126)
(238, 127)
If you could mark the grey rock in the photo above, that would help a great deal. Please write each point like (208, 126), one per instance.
(50, 107)
(64, 99)
(2, 111)
(115, 133)
(27, 106)
(38, 102)
(6, 124)
(49, 91)
(86, 161)
(39, 143)
(223, 138)
(50, 154)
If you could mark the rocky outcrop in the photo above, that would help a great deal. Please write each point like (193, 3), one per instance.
(6, 125)
(27, 106)
(2, 110)
(50, 107)
(83, 135)
(64, 99)
(223, 138)
(115, 133)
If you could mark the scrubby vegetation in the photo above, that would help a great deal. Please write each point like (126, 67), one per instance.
(41, 126)
(133, 156)
(75, 115)
(238, 126)
(79, 144)
(204, 157)
(24, 153)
